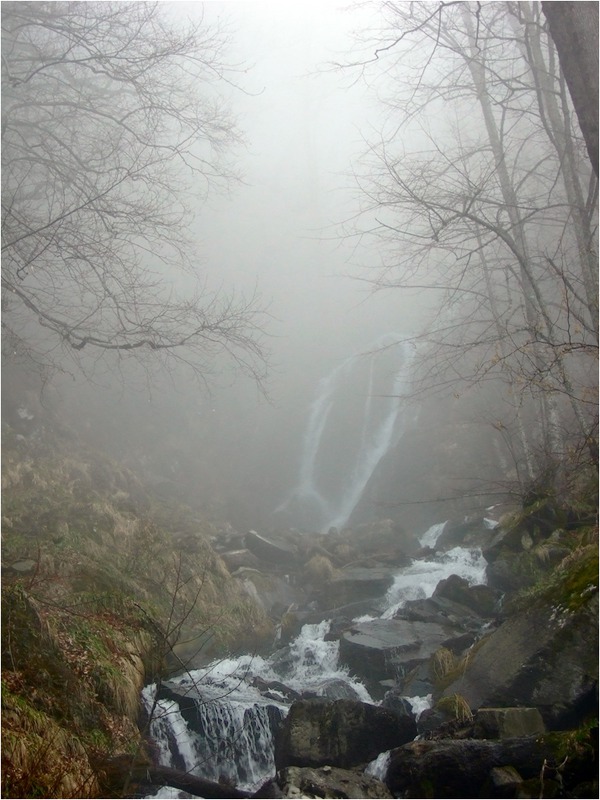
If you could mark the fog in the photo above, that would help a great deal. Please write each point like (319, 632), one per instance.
(311, 223)
(279, 231)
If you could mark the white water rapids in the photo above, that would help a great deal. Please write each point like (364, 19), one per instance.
(229, 734)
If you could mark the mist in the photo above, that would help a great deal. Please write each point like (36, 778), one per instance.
(294, 231)
(277, 232)
(299, 399)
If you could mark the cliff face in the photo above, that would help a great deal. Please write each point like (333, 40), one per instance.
(103, 588)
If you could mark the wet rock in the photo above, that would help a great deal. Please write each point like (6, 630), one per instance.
(544, 657)
(504, 539)
(348, 612)
(469, 532)
(234, 559)
(432, 719)
(504, 782)
(333, 689)
(507, 723)
(354, 584)
(509, 574)
(340, 733)
(275, 690)
(274, 592)
(441, 611)
(460, 768)
(383, 538)
(482, 600)
(385, 648)
(398, 704)
(274, 551)
(329, 782)
(418, 682)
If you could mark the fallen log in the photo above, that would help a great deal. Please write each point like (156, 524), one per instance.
(152, 775)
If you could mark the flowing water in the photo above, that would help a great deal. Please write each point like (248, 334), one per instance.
(238, 703)
(356, 417)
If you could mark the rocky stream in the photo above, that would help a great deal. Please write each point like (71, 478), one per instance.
(402, 667)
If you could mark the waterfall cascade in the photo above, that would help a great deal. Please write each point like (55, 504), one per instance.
(356, 417)
(230, 732)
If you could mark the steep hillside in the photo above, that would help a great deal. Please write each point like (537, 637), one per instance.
(104, 587)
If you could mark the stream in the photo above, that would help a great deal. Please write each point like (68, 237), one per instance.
(218, 722)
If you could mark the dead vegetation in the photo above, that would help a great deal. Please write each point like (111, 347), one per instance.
(97, 599)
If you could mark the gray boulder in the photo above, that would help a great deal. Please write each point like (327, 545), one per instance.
(329, 782)
(461, 768)
(339, 733)
(356, 583)
(384, 648)
(482, 600)
(234, 559)
(545, 657)
(273, 550)
(507, 723)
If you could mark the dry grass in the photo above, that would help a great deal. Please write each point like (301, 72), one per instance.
(106, 600)
(442, 663)
(319, 569)
(456, 707)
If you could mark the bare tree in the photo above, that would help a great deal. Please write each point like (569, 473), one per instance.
(111, 123)
(488, 210)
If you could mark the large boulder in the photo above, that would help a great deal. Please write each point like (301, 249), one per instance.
(383, 539)
(480, 599)
(442, 611)
(469, 532)
(356, 583)
(507, 723)
(462, 767)
(328, 782)
(340, 733)
(273, 550)
(235, 559)
(384, 648)
(545, 656)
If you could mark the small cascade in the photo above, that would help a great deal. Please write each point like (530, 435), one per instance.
(379, 766)
(431, 535)
(229, 734)
(356, 416)
(420, 578)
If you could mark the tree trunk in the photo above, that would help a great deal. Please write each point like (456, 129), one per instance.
(574, 30)
(537, 318)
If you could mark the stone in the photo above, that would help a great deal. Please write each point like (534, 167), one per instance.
(385, 648)
(234, 559)
(271, 550)
(442, 611)
(356, 583)
(333, 689)
(339, 733)
(504, 782)
(481, 599)
(460, 768)
(543, 657)
(472, 531)
(329, 782)
(507, 723)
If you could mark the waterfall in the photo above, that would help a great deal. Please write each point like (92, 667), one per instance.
(431, 535)
(225, 733)
(356, 416)
(233, 707)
